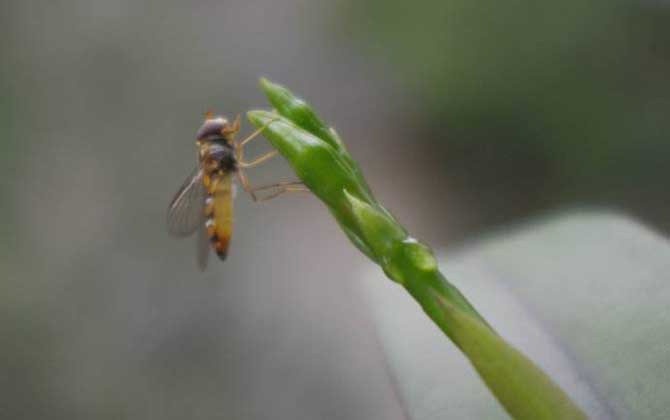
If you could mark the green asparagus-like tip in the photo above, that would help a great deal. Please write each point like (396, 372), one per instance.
(321, 161)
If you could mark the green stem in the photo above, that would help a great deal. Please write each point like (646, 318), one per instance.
(319, 158)
(424, 288)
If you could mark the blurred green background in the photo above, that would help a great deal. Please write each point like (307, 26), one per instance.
(466, 117)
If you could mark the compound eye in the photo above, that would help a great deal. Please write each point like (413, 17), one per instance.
(211, 128)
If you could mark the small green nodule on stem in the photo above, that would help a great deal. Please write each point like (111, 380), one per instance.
(375, 228)
(319, 158)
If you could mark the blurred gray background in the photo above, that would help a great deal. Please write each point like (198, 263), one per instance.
(465, 116)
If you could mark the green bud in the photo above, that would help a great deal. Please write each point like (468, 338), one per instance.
(299, 112)
(302, 115)
(380, 232)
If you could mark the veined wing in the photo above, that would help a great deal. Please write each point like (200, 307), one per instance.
(186, 211)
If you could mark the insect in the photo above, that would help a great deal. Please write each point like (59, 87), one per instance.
(204, 203)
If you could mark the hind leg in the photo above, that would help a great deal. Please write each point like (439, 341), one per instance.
(279, 188)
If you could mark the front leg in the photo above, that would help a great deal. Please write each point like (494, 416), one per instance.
(239, 148)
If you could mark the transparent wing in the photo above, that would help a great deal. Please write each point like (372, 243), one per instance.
(202, 247)
(186, 212)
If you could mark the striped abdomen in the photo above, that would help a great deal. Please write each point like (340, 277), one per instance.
(219, 211)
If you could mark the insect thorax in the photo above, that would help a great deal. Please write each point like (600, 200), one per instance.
(222, 153)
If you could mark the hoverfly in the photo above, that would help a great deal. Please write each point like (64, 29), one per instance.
(204, 203)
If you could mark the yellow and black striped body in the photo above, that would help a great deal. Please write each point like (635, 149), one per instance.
(219, 164)
(219, 210)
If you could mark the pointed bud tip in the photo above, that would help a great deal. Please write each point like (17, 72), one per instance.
(267, 85)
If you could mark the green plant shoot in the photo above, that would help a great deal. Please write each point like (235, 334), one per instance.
(319, 158)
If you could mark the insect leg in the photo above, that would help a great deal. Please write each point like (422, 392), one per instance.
(234, 128)
(245, 184)
(255, 133)
(282, 184)
(256, 161)
(239, 148)
(280, 188)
